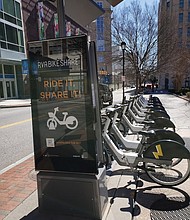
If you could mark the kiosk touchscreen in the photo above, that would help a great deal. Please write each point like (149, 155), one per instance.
(62, 106)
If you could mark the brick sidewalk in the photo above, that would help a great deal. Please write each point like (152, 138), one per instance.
(16, 185)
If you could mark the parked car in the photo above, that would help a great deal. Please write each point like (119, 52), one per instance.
(105, 94)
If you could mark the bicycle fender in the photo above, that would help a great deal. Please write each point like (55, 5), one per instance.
(162, 122)
(166, 150)
(162, 134)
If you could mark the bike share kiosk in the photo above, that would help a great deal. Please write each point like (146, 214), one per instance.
(67, 128)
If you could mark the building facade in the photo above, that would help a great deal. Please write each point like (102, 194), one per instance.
(12, 49)
(23, 21)
(174, 44)
(40, 20)
(100, 32)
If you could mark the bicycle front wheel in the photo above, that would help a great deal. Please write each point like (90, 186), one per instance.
(169, 175)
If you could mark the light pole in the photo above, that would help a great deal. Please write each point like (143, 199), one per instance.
(123, 45)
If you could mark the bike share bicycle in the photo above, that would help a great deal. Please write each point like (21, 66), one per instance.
(165, 159)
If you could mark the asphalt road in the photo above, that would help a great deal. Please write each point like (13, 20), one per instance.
(15, 135)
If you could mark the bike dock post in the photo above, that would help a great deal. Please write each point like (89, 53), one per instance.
(66, 128)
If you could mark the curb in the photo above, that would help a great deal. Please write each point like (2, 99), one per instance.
(15, 106)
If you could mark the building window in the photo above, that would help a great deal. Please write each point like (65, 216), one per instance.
(180, 32)
(180, 17)
(189, 3)
(100, 28)
(101, 48)
(12, 35)
(180, 44)
(11, 11)
(9, 7)
(188, 32)
(188, 45)
(168, 4)
(181, 3)
(17, 8)
(1, 5)
(8, 69)
(11, 38)
(100, 4)
(2, 32)
(100, 59)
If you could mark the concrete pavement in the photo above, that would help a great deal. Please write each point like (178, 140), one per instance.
(154, 202)
(128, 199)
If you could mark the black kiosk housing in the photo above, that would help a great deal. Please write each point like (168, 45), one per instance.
(66, 127)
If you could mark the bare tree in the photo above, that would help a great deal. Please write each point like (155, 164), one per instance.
(180, 67)
(137, 27)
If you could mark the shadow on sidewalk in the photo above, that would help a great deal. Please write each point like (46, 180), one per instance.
(36, 215)
(164, 201)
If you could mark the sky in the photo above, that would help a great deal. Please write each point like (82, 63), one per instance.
(127, 2)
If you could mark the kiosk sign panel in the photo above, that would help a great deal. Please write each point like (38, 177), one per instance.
(62, 111)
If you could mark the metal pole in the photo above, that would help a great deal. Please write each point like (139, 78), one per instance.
(61, 17)
(123, 75)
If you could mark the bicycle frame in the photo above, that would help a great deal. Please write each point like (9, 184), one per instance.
(128, 158)
(166, 161)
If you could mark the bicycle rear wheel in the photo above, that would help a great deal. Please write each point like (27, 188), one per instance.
(169, 175)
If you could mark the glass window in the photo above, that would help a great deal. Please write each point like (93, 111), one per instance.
(18, 69)
(2, 31)
(188, 16)
(18, 13)
(100, 4)
(21, 49)
(19, 22)
(13, 47)
(100, 45)
(1, 70)
(1, 5)
(10, 18)
(1, 90)
(100, 58)
(12, 35)
(180, 32)
(20, 38)
(180, 44)
(188, 31)
(180, 17)
(181, 3)
(100, 28)
(3, 45)
(101, 48)
(13, 88)
(8, 69)
(9, 7)
(100, 36)
(188, 45)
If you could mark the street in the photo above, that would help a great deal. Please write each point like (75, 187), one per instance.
(15, 135)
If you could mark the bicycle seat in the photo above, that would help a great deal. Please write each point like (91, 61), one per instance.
(147, 133)
(111, 109)
(149, 122)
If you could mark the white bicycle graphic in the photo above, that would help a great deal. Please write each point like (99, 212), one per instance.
(69, 121)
